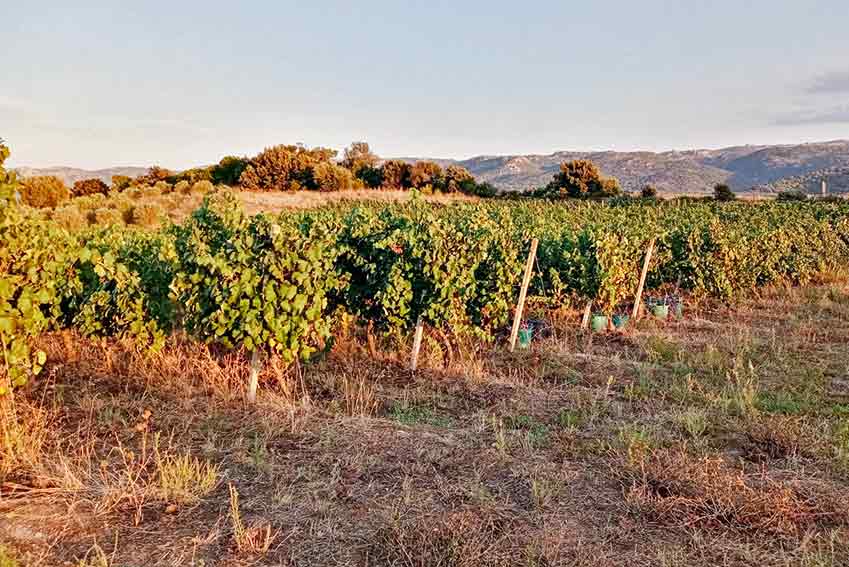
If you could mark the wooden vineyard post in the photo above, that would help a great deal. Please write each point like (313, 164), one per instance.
(520, 306)
(254, 379)
(585, 320)
(638, 299)
(417, 344)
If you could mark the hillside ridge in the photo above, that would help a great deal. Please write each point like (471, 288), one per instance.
(744, 167)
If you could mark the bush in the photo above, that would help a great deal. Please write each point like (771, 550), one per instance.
(90, 187)
(106, 216)
(182, 187)
(458, 179)
(424, 173)
(90, 202)
(284, 168)
(722, 192)
(485, 190)
(153, 175)
(648, 192)
(70, 218)
(255, 282)
(121, 182)
(792, 196)
(162, 187)
(192, 175)
(146, 214)
(202, 187)
(371, 177)
(395, 174)
(229, 170)
(580, 179)
(44, 191)
(331, 177)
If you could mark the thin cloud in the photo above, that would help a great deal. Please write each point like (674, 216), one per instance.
(834, 115)
(830, 83)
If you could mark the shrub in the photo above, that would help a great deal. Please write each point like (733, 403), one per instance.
(331, 177)
(722, 192)
(395, 174)
(106, 216)
(146, 214)
(458, 178)
(192, 175)
(153, 175)
(792, 196)
(229, 170)
(70, 218)
(202, 187)
(648, 192)
(162, 187)
(255, 281)
(182, 187)
(44, 191)
(485, 190)
(121, 182)
(371, 177)
(90, 202)
(424, 173)
(580, 179)
(284, 168)
(89, 187)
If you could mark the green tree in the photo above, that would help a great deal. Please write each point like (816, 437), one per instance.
(284, 168)
(331, 177)
(192, 175)
(648, 192)
(580, 179)
(358, 156)
(722, 192)
(424, 173)
(85, 187)
(121, 182)
(395, 174)
(154, 175)
(459, 179)
(229, 170)
(792, 196)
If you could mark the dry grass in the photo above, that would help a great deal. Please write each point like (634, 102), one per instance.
(274, 202)
(717, 440)
(254, 539)
(674, 488)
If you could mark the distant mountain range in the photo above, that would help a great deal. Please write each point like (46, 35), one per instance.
(764, 168)
(72, 174)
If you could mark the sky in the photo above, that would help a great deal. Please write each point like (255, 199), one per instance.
(96, 84)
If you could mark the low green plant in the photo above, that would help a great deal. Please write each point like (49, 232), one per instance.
(183, 479)
(693, 422)
(569, 418)
(412, 414)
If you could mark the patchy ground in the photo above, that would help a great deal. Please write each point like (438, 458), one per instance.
(722, 439)
(277, 201)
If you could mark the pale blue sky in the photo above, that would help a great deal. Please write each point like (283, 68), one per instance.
(112, 82)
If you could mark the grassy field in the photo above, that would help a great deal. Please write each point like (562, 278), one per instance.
(721, 439)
